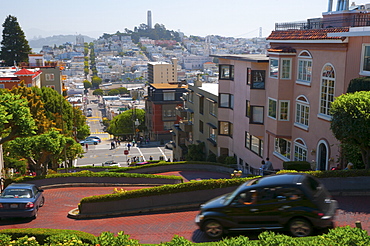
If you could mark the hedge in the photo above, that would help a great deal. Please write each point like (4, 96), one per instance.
(333, 174)
(167, 189)
(87, 173)
(338, 236)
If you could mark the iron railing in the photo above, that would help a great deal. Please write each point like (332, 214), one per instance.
(328, 22)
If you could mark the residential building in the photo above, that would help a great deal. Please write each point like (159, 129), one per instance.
(162, 72)
(197, 120)
(160, 105)
(308, 65)
(241, 108)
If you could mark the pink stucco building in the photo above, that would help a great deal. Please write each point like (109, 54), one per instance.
(278, 106)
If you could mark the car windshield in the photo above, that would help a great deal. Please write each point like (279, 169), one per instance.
(16, 193)
(230, 196)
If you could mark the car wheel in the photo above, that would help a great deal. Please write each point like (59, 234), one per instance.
(35, 216)
(42, 202)
(95, 143)
(213, 229)
(82, 144)
(300, 227)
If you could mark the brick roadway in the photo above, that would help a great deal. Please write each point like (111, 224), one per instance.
(154, 227)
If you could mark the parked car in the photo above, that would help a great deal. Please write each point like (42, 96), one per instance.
(21, 200)
(89, 141)
(110, 163)
(94, 137)
(298, 203)
(169, 145)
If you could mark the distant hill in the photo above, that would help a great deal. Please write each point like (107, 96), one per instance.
(56, 40)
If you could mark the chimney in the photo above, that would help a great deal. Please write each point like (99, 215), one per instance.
(198, 82)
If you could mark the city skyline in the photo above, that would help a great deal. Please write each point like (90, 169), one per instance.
(238, 18)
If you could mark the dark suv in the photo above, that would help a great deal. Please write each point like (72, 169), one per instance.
(296, 202)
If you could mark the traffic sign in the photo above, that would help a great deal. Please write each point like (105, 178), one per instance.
(125, 152)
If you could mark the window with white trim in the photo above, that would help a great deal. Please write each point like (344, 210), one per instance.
(327, 89)
(282, 148)
(49, 77)
(302, 112)
(272, 108)
(284, 110)
(365, 61)
(274, 67)
(304, 67)
(2, 86)
(300, 150)
(286, 68)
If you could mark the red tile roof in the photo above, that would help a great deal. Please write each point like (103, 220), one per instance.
(311, 34)
(24, 72)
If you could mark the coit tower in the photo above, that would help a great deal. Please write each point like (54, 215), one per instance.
(149, 19)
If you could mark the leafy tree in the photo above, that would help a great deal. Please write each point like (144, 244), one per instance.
(40, 150)
(351, 121)
(14, 46)
(195, 152)
(123, 90)
(98, 92)
(113, 92)
(15, 117)
(123, 124)
(96, 81)
(36, 106)
(87, 84)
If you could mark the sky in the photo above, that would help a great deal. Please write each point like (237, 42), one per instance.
(233, 18)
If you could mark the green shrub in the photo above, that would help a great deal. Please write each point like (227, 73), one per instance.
(297, 165)
(41, 234)
(65, 239)
(177, 241)
(5, 239)
(343, 236)
(333, 174)
(233, 241)
(108, 239)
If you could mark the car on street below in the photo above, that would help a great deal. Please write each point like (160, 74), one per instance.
(21, 200)
(295, 202)
(110, 163)
(94, 137)
(89, 141)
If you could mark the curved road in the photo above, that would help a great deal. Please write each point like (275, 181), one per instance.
(153, 227)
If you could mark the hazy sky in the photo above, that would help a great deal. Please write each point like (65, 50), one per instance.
(233, 18)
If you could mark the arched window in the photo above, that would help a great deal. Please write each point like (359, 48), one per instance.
(327, 89)
(302, 112)
(300, 150)
(304, 74)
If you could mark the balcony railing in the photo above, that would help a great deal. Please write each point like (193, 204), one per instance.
(321, 23)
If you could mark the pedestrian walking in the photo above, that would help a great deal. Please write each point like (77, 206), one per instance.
(128, 146)
(112, 145)
(87, 147)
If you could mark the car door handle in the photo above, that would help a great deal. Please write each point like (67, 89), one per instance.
(284, 207)
(254, 210)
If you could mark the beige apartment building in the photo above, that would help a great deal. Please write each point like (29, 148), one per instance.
(286, 115)
(162, 72)
(198, 120)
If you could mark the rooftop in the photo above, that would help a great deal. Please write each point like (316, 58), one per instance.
(250, 58)
(167, 86)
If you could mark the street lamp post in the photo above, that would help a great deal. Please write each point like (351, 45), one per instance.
(137, 123)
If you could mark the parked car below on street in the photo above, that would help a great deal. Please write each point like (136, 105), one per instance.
(21, 200)
(110, 163)
(296, 202)
(89, 141)
(94, 137)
